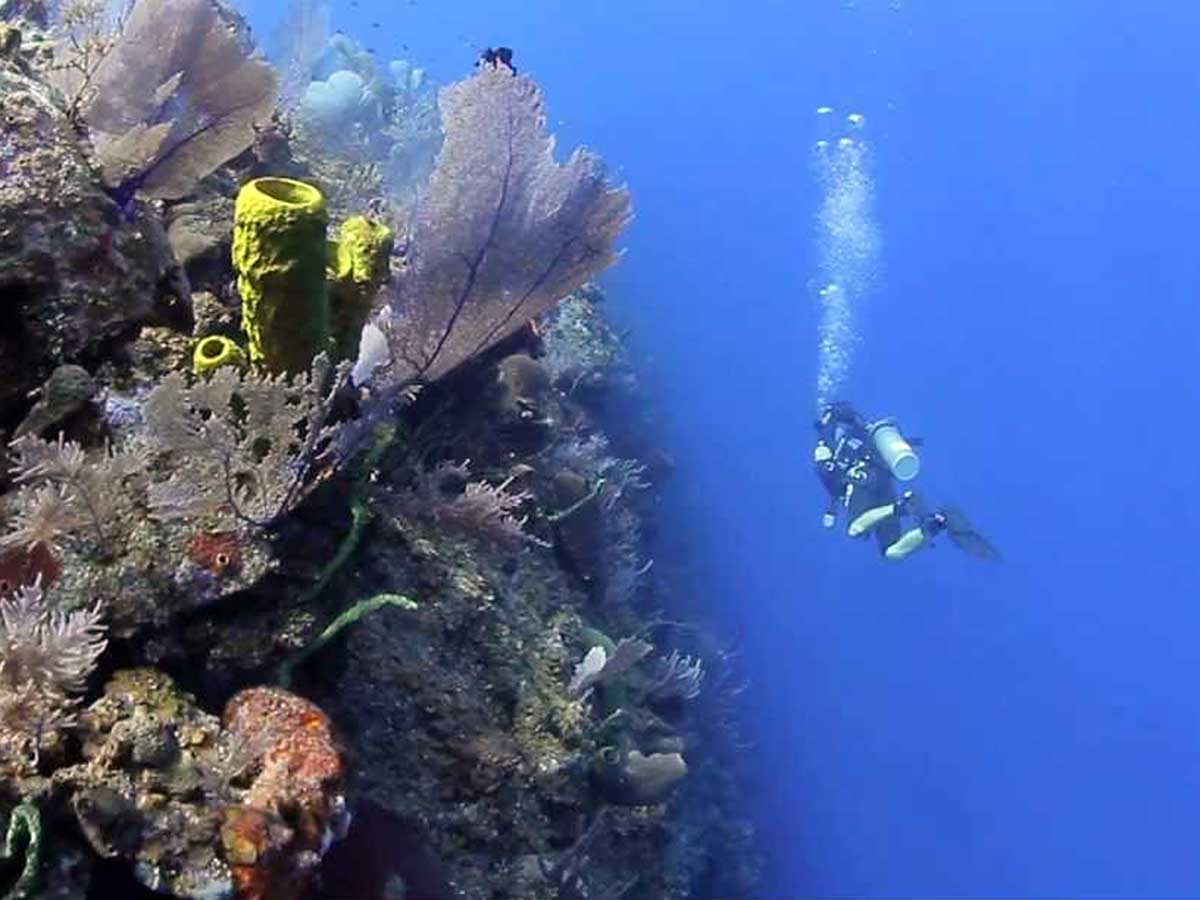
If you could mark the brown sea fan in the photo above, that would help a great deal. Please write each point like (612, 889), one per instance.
(501, 233)
(176, 96)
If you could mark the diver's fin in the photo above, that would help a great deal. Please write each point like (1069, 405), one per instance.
(966, 538)
(908, 542)
(868, 519)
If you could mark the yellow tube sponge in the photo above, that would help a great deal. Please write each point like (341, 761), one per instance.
(279, 254)
(215, 351)
(358, 266)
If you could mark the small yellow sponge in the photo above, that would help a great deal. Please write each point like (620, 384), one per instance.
(358, 266)
(215, 351)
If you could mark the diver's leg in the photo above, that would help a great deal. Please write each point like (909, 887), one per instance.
(869, 519)
(909, 542)
(871, 516)
(887, 533)
(915, 538)
(871, 503)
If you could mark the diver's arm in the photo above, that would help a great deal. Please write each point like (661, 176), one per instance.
(827, 473)
(842, 414)
(838, 421)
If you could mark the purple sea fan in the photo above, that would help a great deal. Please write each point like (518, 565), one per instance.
(502, 232)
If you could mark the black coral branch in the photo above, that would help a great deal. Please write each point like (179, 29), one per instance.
(177, 96)
(502, 231)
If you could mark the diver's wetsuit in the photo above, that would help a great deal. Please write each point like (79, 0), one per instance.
(859, 481)
(851, 472)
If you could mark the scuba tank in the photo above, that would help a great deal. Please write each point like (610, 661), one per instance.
(897, 453)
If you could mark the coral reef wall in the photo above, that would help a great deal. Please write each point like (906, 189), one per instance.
(378, 621)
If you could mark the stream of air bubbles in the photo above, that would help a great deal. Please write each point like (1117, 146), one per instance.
(847, 246)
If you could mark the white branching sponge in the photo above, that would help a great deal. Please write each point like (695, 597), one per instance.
(597, 666)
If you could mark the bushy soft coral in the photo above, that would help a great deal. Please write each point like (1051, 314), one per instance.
(45, 656)
(447, 494)
(65, 491)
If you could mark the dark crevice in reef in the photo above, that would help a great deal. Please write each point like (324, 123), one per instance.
(381, 848)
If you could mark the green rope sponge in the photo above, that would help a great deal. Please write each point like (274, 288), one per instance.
(23, 838)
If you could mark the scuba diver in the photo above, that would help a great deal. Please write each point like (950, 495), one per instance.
(497, 56)
(858, 464)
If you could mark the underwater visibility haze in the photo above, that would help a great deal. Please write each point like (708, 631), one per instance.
(463, 449)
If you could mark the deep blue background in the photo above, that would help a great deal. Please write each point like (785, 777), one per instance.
(943, 727)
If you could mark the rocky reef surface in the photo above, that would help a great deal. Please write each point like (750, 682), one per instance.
(268, 635)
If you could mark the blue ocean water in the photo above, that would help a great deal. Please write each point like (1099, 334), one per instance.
(942, 727)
